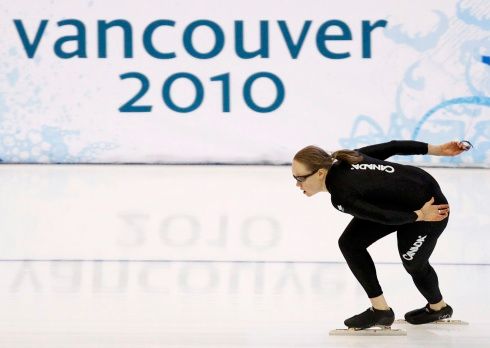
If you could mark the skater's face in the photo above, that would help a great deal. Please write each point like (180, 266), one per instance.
(309, 181)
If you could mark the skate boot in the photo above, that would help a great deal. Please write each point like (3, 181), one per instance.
(427, 315)
(371, 317)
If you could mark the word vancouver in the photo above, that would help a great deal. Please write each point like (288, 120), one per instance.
(331, 38)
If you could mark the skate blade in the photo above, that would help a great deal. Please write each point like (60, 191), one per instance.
(372, 331)
(439, 322)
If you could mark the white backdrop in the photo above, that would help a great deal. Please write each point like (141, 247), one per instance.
(427, 79)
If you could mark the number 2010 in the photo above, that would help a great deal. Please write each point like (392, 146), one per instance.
(130, 106)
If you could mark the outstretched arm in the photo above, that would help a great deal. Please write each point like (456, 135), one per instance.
(395, 147)
(410, 147)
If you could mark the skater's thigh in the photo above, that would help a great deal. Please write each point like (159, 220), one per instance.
(363, 233)
(417, 241)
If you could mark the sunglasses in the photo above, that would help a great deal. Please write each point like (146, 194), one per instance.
(302, 178)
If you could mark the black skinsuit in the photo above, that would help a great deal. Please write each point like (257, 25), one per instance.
(382, 196)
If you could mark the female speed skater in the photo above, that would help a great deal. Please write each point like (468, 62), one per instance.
(384, 197)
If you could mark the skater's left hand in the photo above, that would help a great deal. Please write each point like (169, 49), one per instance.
(432, 212)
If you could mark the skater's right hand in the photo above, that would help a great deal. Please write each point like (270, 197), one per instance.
(452, 148)
(433, 212)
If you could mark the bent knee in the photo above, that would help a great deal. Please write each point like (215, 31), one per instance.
(414, 267)
(347, 245)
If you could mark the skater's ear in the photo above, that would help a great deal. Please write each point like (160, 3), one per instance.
(322, 172)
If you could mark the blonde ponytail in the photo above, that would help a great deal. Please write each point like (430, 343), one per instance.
(349, 156)
(316, 158)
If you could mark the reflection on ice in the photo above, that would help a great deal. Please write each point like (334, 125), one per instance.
(229, 304)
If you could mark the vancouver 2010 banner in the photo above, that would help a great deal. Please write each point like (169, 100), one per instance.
(241, 81)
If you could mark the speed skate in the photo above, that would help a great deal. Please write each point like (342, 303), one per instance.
(372, 331)
(371, 322)
(455, 322)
